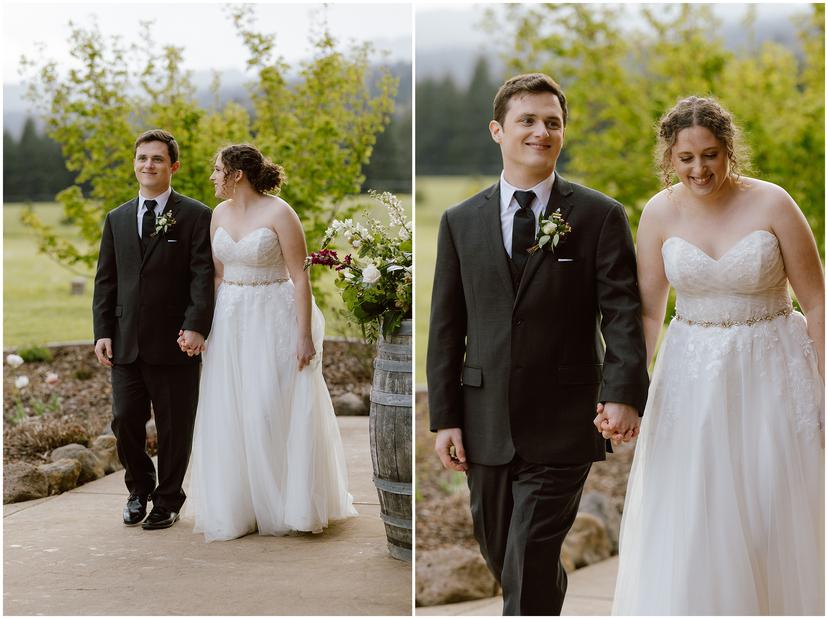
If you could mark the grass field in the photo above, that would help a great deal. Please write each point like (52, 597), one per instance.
(38, 306)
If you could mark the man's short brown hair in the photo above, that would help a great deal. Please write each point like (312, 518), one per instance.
(529, 83)
(158, 135)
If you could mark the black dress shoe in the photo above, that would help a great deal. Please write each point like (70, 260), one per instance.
(160, 518)
(135, 509)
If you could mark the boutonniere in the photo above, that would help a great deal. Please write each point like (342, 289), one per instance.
(163, 223)
(551, 232)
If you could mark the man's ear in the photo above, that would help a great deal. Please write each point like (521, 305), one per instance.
(174, 168)
(496, 130)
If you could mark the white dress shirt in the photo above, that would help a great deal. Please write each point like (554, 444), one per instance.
(161, 199)
(509, 205)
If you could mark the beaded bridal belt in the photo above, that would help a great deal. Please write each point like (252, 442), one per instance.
(266, 283)
(735, 323)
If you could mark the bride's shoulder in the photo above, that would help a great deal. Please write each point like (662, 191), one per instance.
(661, 205)
(767, 195)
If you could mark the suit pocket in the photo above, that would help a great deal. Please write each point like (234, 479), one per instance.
(586, 374)
(119, 310)
(472, 377)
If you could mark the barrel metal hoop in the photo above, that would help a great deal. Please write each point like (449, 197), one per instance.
(401, 523)
(398, 552)
(393, 366)
(390, 399)
(394, 487)
(396, 349)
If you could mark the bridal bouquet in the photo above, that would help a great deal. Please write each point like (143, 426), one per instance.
(375, 277)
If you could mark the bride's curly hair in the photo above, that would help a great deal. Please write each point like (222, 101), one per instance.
(263, 174)
(703, 112)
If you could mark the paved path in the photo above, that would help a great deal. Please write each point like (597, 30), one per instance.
(71, 555)
(589, 593)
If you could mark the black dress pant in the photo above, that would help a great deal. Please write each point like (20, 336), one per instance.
(522, 513)
(173, 392)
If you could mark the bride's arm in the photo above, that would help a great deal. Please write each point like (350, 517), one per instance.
(652, 281)
(802, 264)
(294, 249)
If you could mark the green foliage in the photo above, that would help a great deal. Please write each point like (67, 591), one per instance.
(33, 354)
(321, 127)
(619, 83)
(33, 167)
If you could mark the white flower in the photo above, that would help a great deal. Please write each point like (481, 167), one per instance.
(21, 382)
(14, 361)
(355, 243)
(371, 274)
(347, 274)
(403, 234)
(51, 378)
(550, 227)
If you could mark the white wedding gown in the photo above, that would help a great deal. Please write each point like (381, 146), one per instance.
(724, 506)
(267, 454)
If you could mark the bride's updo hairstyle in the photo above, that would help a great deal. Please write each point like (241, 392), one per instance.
(263, 174)
(703, 112)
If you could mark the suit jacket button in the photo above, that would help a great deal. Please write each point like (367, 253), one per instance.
(518, 323)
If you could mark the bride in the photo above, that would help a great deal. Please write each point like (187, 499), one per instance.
(724, 505)
(267, 454)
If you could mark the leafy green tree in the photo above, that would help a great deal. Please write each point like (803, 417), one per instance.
(321, 128)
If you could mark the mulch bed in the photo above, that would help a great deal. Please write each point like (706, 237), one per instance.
(31, 428)
(443, 517)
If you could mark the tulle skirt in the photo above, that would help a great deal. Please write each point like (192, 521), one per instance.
(267, 454)
(724, 506)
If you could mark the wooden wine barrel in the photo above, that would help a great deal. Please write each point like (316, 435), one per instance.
(390, 432)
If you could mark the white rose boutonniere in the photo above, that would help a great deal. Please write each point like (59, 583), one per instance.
(163, 223)
(551, 232)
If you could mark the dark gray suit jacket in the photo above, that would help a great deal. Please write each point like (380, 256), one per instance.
(522, 372)
(141, 302)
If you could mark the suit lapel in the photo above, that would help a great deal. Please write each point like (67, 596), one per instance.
(133, 241)
(559, 198)
(490, 211)
(171, 207)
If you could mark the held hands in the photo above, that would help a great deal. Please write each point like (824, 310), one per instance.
(103, 351)
(191, 342)
(619, 422)
(449, 448)
(305, 352)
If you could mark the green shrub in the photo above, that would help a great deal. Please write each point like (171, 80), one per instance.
(33, 354)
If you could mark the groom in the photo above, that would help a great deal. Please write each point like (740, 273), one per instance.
(516, 361)
(154, 281)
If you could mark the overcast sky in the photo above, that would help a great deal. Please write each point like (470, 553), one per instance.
(202, 29)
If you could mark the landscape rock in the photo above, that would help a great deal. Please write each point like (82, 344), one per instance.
(23, 482)
(347, 404)
(453, 574)
(61, 475)
(91, 467)
(602, 507)
(105, 448)
(587, 541)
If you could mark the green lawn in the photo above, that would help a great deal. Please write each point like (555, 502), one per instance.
(38, 306)
(434, 195)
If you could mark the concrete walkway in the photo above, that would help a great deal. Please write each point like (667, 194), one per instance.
(589, 592)
(71, 555)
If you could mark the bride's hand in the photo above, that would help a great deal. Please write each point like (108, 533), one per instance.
(305, 352)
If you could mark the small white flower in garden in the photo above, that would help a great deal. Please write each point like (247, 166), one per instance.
(51, 378)
(550, 228)
(21, 382)
(14, 361)
(371, 274)
(356, 243)
(347, 274)
(404, 234)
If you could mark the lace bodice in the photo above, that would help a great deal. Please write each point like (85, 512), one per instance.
(256, 257)
(748, 281)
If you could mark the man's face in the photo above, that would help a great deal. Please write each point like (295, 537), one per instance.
(532, 134)
(153, 168)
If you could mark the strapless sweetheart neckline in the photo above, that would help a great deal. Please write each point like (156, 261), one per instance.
(725, 254)
(244, 236)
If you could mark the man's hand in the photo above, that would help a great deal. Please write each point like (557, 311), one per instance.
(618, 422)
(449, 439)
(191, 342)
(103, 351)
